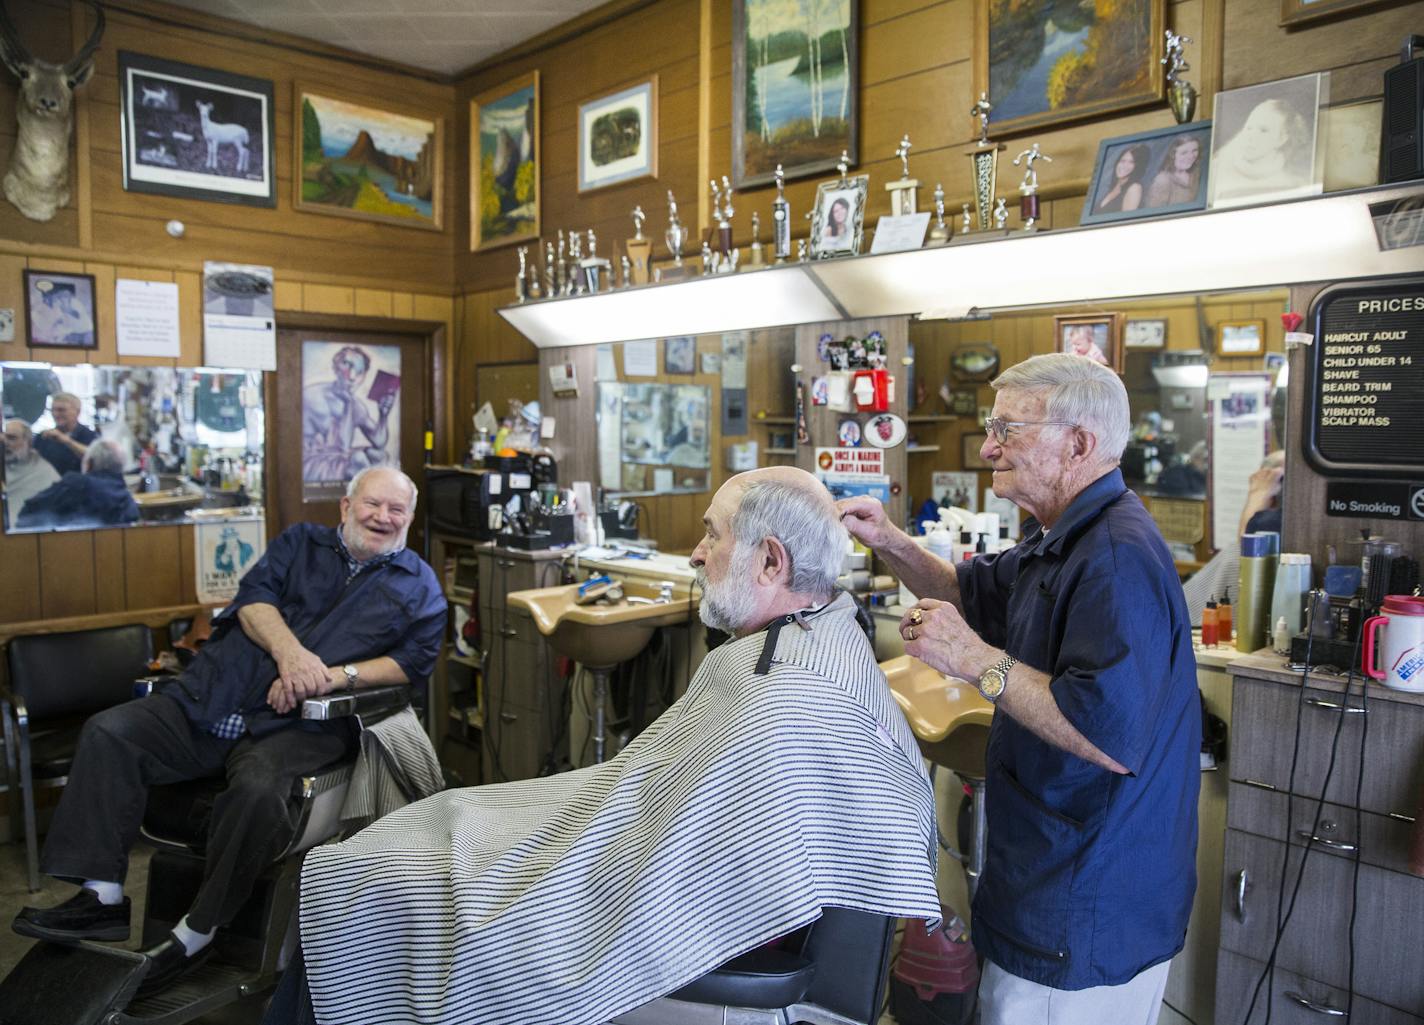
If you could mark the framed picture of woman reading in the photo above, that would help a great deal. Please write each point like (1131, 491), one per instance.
(1150, 173)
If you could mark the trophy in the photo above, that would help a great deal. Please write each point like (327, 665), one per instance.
(550, 267)
(1001, 214)
(1181, 94)
(561, 278)
(597, 272)
(756, 257)
(573, 279)
(1028, 204)
(780, 220)
(675, 236)
(939, 230)
(902, 192)
(640, 250)
(985, 157)
(965, 220)
(519, 277)
(627, 268)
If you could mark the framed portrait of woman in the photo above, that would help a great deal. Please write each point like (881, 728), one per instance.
(838, 221)
(1263, 142)
(1158, 172)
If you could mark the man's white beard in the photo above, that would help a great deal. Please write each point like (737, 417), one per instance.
(730, 604)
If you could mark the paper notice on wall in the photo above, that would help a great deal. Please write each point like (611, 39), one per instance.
(1239, 406)
(734, 360)
(146, 318)
(640, 359)
(239, 326)
(226, 550)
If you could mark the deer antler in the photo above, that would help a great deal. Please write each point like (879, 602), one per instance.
(12, 51)
(86, 52)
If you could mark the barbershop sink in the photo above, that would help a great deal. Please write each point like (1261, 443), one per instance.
(948, 715)
(603, 634)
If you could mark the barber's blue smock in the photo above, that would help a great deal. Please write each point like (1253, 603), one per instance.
(1089, 874)
(395, 609)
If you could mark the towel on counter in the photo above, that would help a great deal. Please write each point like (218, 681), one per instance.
(395, 765)
(785, 780)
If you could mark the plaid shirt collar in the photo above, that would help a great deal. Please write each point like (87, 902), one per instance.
(353, 567)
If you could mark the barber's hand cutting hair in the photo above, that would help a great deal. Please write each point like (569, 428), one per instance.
(937, 635)
(866, 521)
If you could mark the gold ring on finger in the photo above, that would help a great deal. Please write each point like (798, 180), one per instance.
(912, 633)
(917, 616)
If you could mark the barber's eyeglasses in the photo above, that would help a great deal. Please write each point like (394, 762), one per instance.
(1001, 428)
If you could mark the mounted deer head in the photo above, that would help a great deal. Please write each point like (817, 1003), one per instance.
(38, 179)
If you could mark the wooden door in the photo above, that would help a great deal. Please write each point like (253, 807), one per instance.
(325, 419)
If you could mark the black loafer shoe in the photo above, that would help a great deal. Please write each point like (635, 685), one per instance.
(81, 917)
(167, 963)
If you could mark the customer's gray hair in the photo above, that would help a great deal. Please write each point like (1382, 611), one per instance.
(1076, 390)
(355, 483)
(104, 457)
(805, 524)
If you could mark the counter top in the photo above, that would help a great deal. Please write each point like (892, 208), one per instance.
(1267, 665)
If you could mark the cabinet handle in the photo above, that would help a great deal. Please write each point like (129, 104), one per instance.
(1311, 1005)
(1324, 841)
(508, 717)
(1335, 706)
(509, 631)
(1242, 885)
(1259, 784)
(504, 563)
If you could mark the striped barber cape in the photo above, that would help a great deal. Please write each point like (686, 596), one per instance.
(784, 780)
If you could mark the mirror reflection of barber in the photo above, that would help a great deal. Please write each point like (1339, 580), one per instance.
(64, 444)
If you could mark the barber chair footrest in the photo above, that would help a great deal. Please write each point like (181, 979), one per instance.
(758, 978)
(42, 989)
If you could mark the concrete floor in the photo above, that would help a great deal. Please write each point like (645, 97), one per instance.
(15, 894)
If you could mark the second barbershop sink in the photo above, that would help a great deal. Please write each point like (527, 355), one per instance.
(603, 634)
(949, 716)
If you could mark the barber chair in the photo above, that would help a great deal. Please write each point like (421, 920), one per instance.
(833, 972)
(94, 983)
(56, 682)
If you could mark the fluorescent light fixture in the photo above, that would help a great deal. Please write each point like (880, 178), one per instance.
(720, 302)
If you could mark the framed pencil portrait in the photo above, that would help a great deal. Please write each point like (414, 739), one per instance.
(505, 164)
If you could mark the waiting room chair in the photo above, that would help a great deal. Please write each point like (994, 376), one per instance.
(833, 972)
(56, 682)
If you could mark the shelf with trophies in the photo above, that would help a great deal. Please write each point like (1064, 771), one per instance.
(921, 266)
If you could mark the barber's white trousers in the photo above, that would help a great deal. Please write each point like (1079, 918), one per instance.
(1006, 999)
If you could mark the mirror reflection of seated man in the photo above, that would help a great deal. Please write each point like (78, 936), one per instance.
(324, 608)
(95, 497)
(1261, 512)
(783, 781)
(1187, 476)
(65, 443)
(27, 473)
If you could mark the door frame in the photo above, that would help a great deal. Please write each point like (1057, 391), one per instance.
(436, 383)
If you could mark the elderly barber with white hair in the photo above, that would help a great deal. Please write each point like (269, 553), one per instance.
(1080, 637)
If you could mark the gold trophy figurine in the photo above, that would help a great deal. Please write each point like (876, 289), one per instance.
(939, 227)
(756, 256)
(1181, 94)
(985, 158)
(902, 192)
(639, 249)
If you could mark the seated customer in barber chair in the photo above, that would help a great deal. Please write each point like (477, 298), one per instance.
(95, 497)
(325, 608)
(785, 781)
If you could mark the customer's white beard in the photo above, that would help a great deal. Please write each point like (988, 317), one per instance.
(730, 604)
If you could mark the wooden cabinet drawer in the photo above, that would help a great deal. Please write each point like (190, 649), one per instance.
(1389, 931)
(1264, 722)
(1295, 999)
(1382, 841)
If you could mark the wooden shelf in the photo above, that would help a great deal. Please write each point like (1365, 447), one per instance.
(464, 660)
(459, 594)
(779, 451)
(774, 419)
(921, 448)
(928, 418)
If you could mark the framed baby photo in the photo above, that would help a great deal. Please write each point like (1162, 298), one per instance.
(1163, 171)
(1263, 142)
(839, 218)
(60, 310)
(1093, 336)
(1144, 334)
(1241, 338)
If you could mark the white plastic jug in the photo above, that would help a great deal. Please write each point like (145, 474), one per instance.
(1401, 659)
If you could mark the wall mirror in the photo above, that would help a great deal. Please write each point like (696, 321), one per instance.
(187, 445)
(654, 438)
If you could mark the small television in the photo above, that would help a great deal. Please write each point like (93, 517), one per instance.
(459, 501)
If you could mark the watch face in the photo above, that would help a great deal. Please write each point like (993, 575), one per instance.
(991, 684)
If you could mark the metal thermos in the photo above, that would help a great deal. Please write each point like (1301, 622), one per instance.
(1253, 596)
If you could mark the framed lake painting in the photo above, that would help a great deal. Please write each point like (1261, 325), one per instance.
(794, 72)
(1046, 62)
(355, 159)
(504, 163)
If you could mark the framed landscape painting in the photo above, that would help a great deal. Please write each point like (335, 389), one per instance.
(504, 163)
(354, 159)
(795, 67)
(1046, 62)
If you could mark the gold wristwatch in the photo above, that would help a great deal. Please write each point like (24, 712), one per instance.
(995, 678)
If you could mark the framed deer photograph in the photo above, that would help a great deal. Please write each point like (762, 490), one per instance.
(196, 132)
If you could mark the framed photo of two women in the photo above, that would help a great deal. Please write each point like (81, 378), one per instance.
(1158, 172)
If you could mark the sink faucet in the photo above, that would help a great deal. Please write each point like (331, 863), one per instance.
(665, 592)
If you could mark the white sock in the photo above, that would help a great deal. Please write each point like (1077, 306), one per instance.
(109, 894)
(192, 940)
